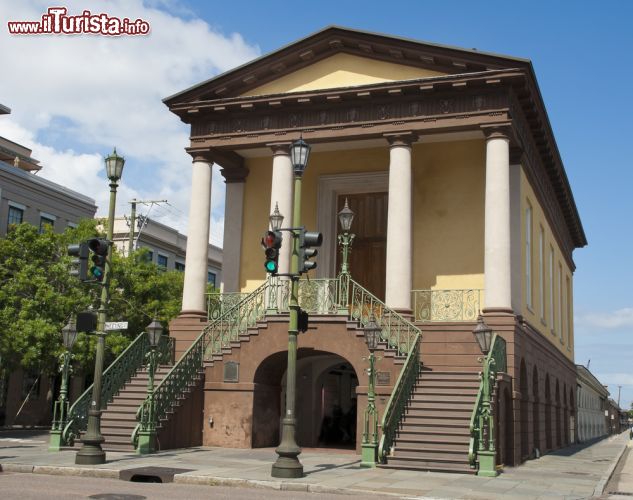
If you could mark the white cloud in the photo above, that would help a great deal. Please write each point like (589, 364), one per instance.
(615, 379)
(93, 92)
(620, 318)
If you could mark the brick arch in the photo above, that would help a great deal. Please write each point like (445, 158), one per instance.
(536, 410)
(557, 413)
(523, 384)
(548, 413)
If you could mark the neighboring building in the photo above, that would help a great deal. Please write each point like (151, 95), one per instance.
(166, 246)
(26, 197)
(461, 205)
(592, 400)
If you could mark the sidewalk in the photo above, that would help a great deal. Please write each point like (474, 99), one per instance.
(622, 482)
(574, 473)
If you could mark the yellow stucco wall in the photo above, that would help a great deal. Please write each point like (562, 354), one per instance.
(448, 204)
(551, 314)
(341, 70)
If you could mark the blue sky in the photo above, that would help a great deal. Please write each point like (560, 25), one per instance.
(581, 53)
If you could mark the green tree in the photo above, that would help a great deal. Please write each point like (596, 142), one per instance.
(38, 296)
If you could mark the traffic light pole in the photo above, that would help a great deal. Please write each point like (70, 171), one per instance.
(91, 452)
(288, 464)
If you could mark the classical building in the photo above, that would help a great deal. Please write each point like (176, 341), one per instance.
(29, 198)
(462, 206)
(592, 400)
(166, 246)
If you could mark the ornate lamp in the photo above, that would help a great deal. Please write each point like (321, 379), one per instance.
(154, 332)
(345, 217)
(69, 335)
(299, 153)
(483, 334)
(372, 333)
(114, 166)
(276, 219)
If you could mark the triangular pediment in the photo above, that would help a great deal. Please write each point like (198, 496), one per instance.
(342, 70)
(338, 56)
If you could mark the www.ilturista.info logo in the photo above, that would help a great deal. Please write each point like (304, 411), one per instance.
(57, 21)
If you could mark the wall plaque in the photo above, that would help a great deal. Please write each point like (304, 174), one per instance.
(231, 371)
(383, 378)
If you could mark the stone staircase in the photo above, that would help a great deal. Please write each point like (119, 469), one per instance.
(434, 433)
(119, 417)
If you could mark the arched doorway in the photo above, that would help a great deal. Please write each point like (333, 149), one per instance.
(548, 413)
(523, 384)
(572, 417)
(536, 412)
(565, 416)
(325, 406)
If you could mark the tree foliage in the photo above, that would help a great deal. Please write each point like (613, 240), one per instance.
(38, 296)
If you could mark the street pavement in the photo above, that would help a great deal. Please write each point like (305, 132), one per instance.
(577, 472)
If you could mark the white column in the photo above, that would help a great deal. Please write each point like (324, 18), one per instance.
(233, 213)
(497, 240)
(196, 261)
(399, 267)
(281, 192)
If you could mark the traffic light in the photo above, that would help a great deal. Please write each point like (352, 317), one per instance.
(272, 243)
(302, 321)
(308, 240)
(80, 262)
(99, 249)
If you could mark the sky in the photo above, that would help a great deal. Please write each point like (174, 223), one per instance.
(74, 98)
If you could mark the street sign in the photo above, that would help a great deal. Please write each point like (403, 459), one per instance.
(115, 325)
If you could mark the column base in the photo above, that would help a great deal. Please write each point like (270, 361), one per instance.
(186, 328)
(90, 454)
(368, 455)
(55, 442)
(287, 467)
(146, 442)
(487, 464)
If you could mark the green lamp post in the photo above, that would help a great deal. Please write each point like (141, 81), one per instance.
(60, 412)
(486, 451)
(91, 452)
(345, 239)
(147, 433)
(370, 430)
(287, 464)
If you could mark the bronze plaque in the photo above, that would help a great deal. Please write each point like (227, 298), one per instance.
(383, 378)
(231, 371)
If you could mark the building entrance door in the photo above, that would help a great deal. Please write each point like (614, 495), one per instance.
(369, 250)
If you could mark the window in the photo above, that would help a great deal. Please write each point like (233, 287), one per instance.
(211, 278)
(179, 266)
(528, 255)
(161, 260)
(559, 305)
(541, 271)
(551, 288)
(16, 215)
(149, 256)
(45, 221)
(568, 311)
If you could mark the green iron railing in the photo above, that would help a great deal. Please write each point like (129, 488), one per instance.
(397, 404)
(447, 305)
(482, 447)
(115, 376)
(218, 303)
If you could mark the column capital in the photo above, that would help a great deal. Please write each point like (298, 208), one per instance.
(198, 156)
(280, 148)
(497, 131)
(403, 139)
(224, 158)
(236, 174)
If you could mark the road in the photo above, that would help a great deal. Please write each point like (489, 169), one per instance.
(39, 486)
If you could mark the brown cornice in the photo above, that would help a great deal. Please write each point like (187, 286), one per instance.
(228, 159)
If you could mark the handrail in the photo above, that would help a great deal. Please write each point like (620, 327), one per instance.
(113, 378)
(447, 304)
(398, 400)
(481, 446)
(214, 337)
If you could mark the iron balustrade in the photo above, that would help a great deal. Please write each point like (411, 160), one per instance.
(115, 376)
(482, 447)
(447, 305)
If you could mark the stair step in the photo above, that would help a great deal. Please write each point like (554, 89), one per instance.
(430, 455)
(442, 405)
(440, 398)
(427, 466)
(434, 413)
(435, 430)
(431, 390)
(415, 448)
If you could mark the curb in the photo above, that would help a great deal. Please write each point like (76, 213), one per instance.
(193, 479)
(602, 484)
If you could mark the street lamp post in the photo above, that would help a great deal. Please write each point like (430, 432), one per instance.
(288, 464)
(147, 433)
(370, 430)
(60, 414)
(91, 452)
(345, 217)
(486, 451)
